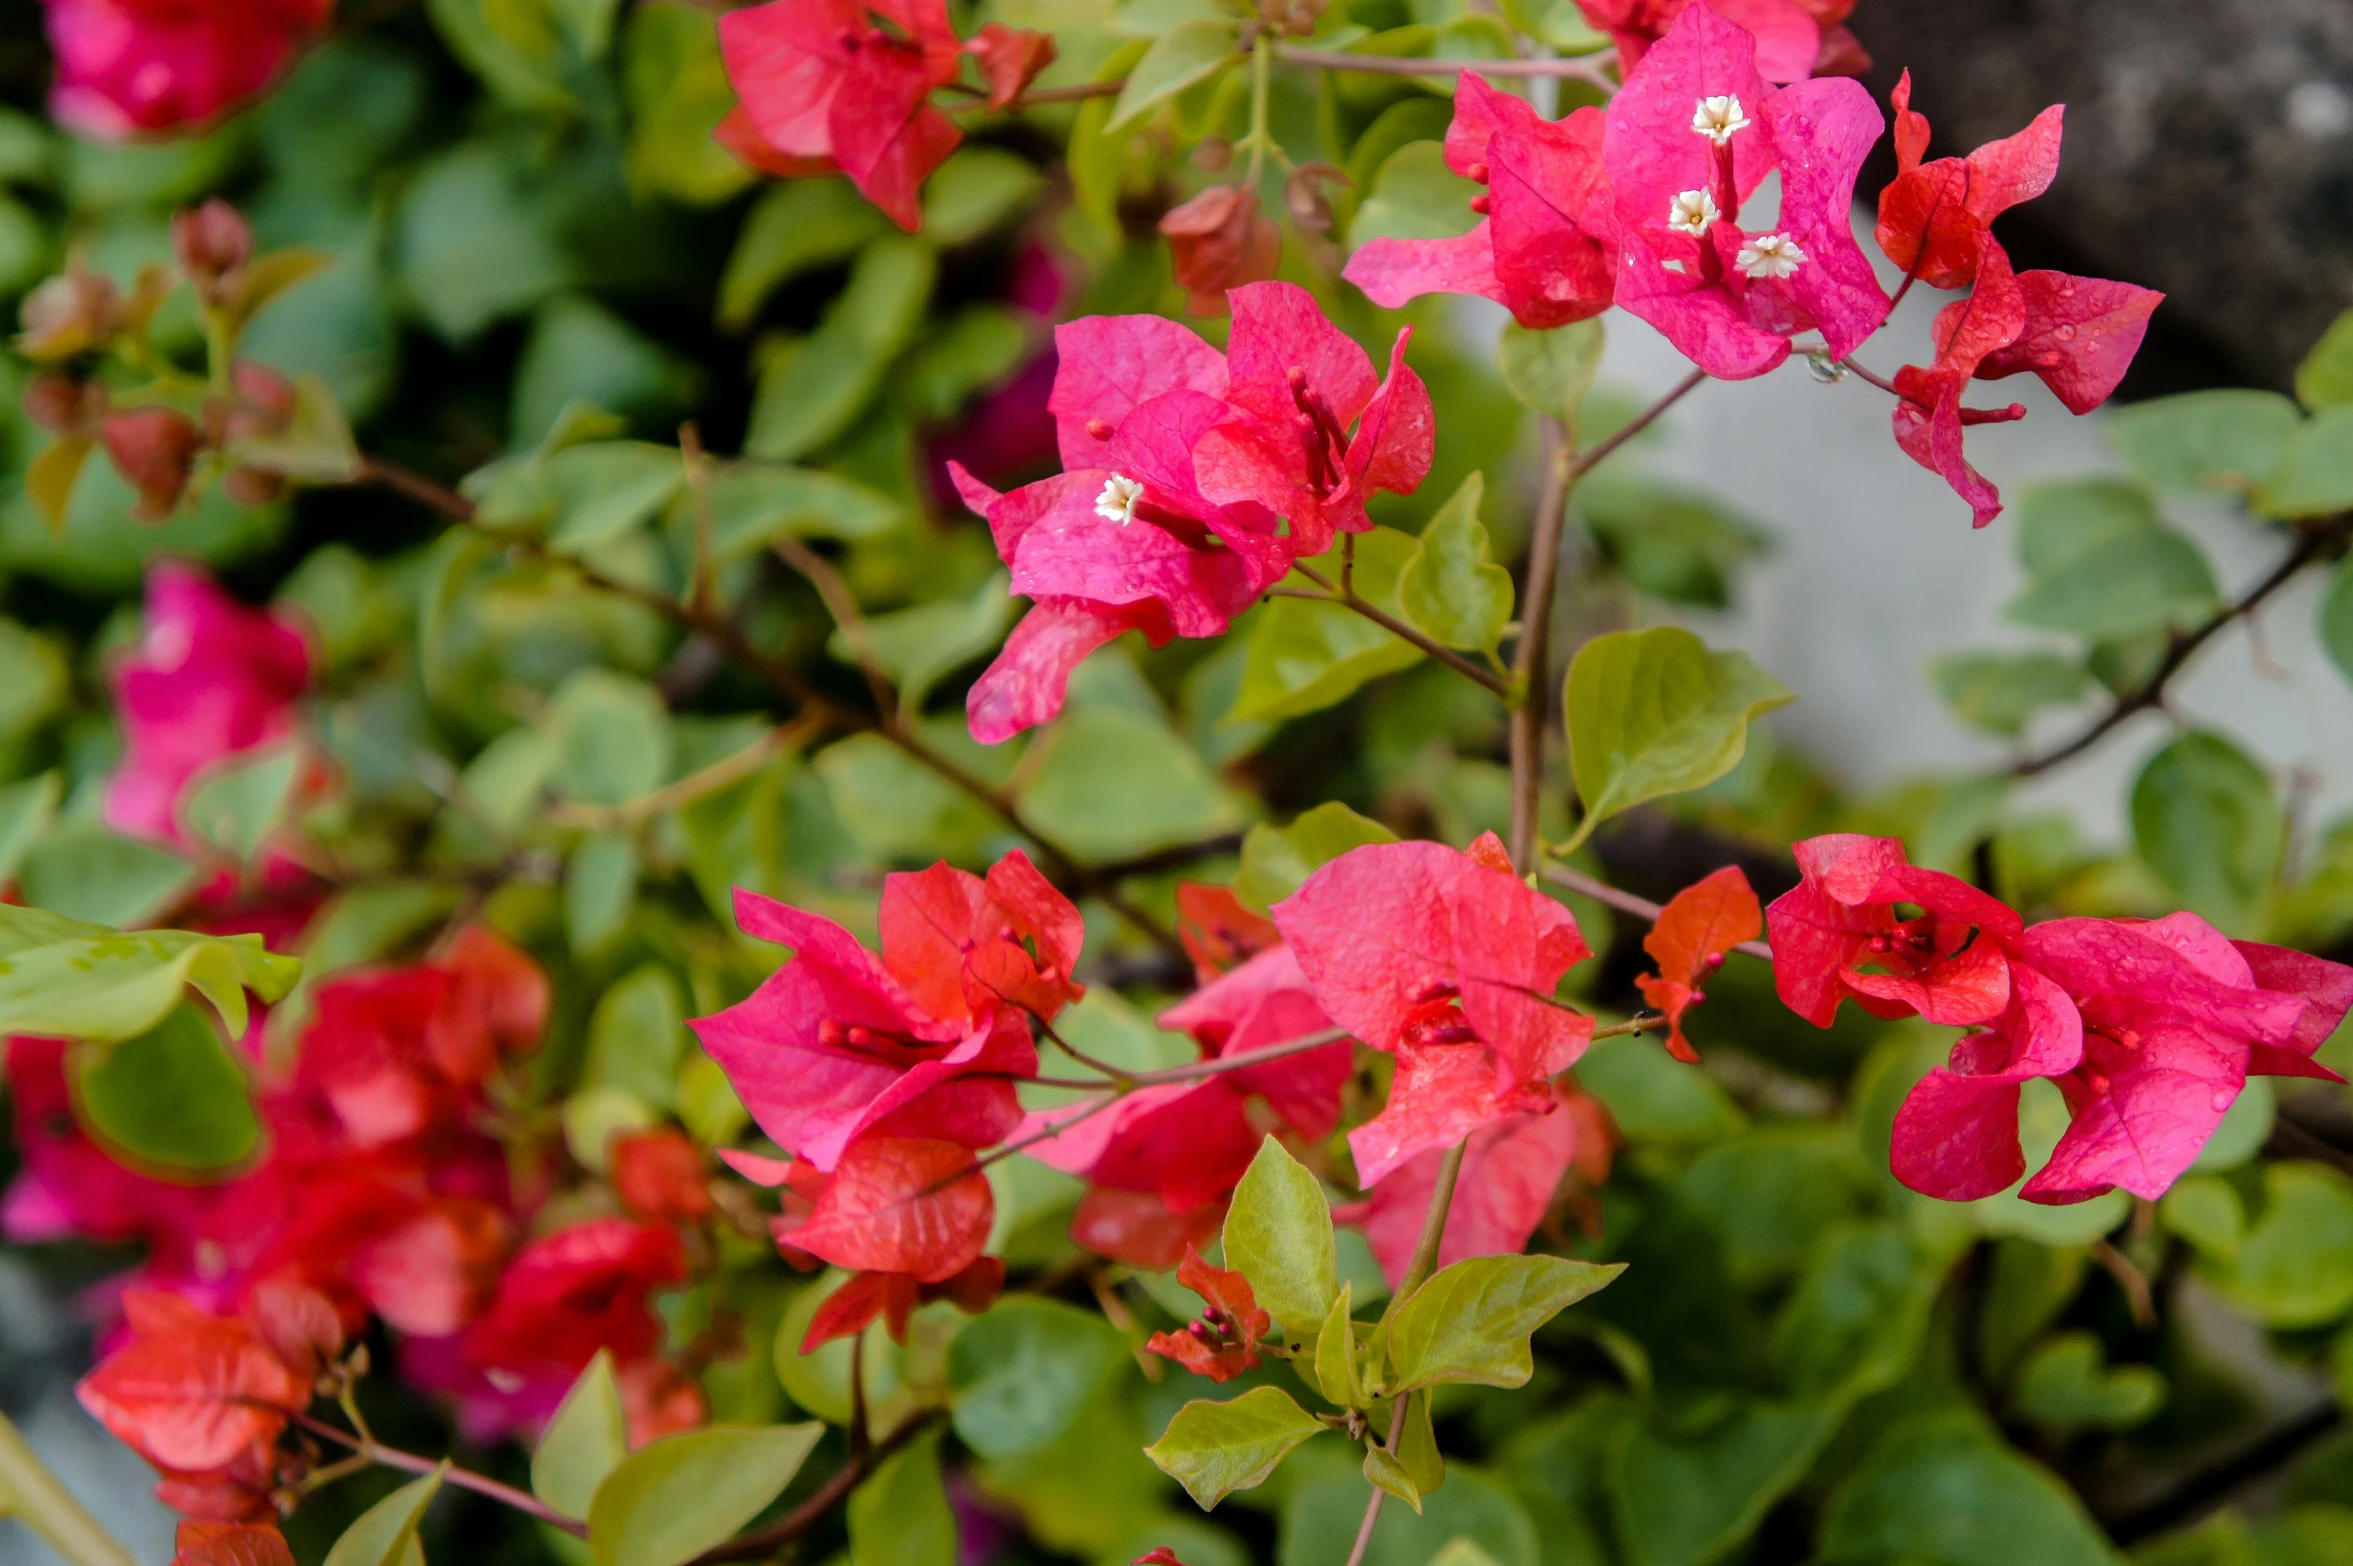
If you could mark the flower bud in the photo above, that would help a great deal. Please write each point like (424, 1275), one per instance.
(1220, 240)
(213, 243)
(154, 449)
(70, 314)
(64, 406)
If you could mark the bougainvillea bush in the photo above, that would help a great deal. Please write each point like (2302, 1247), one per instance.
(881, 782)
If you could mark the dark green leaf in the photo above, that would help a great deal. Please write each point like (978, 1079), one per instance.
(900, 1515)
(1688, 1498)
(676, 1498)
(755, 504)
(172, 1096)
(1021, 1374)
(1854, 1324)
(794, 226)
(1472, 1320)
(810, 392)
(2294, 1267)
(1942, 1488)
(2065, 1387)
(1278, 1234)
(2206, 819)
(1214, 1449)
(1651, 1098)
(83, 871)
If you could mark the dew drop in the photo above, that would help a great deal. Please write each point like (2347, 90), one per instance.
(2222, 1099)
(2066, 334)
(1823, 368)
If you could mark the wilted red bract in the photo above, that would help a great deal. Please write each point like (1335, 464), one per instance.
(1222, 1342)
(1697, 927)
(1220, 240)
(191, 1391)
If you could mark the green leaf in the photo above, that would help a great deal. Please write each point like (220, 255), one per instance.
(600, 888)
(1278, 1234)
(976, 348)
(587, 1439)
(1684, 1498)
(2336, 619)
(173, 1096)
(1305, 656)
(2065, 1387)
(2294, 1267)
(1417, 1446)
(1335, 1356)
(2030, 1286)
(919, 647)
(33, 1495)
(1651, 1098)
(1276, 861)
(236, 807)
(2206, 819)
(1942, 1488)
(315, 447)
(812, 391)
(1672, 543)
(794, 227)
(637, 1036)
(900, 1515)
(1655, 712)
(974, 191)
(1449, 588)
(1471, 1322)
(1214, 1449)
(1110, 783)
(610, 738)
(676, 83)
(2315, 473)
(1387, 1473)
(85, 872)
(1097, 158)
(1475, 1521)
(2200, 442)
(1188, 53)
(25, 811)
(754, 504)
(593, 1116)
(85, 981)
(2000, 692)
(672, 1500)
(386, 1533)
(2206, 1211)
(1021, 1374)
(2325, 378)
(2138, 581)
(473, 241)
(607, 487)
(1550, 371)
(1855, 1322)
(1415, 196)
(899, 809)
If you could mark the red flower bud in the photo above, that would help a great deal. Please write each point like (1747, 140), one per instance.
(1220, 240)
(154, 449)
(64, 406)
(213, 243)
(70, 314)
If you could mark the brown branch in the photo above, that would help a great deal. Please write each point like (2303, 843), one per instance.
(842, 604)
(1626, 902)
(814, 704)
(1636, 425)
(760, 1545)
(1531, 663)
(1074, 93)
(1593, 68)
(2316, 541)
(1347, 598)
(463, 1478)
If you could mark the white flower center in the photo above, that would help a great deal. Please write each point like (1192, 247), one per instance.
(1692, 212)
(1718, 118)
(1770, 255)
(1119, 499)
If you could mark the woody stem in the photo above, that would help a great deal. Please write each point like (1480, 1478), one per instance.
(1532, 658)
(464, 1478)
(1349, 599)
(1261, 53)
(1593, 68)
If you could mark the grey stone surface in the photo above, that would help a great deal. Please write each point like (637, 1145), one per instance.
(2209, 151)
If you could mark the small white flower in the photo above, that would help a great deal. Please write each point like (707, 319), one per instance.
(1692, 212)
(1119, 499)
(1770, 255)
(1718, 118)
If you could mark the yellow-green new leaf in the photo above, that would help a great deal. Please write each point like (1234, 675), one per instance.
(1214, 1449)
(1471, 1322)
(673, 1500)
(1656, 712)
(1450, 588)
(1417, 1446)
(1551, 370)
(386, 1533)
(1385, 1472)
(85, 981)
(32, 1495)
(1187, 53)
(900, 1516)
(315, 446)
(1278, 1234)
(1335, 1354)
(588, 1439)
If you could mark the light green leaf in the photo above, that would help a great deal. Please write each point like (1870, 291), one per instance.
(1387, 1473)
(2294, 1266)
(754, 504)
(2000, 692)
(2205, 441)
(586, 1440)
(900, 1516)
(1278, 1234)
(2065, 1387)
(812, 391)
(1417, 1446)
(607, 487)
(2336, 619)
(85, 981)
(2325, 378)
(1449, 588)
(1187, 53)
(1655, 712)
(920, 646)
(1097, 158)
(609, 738)
(173, 1095)
(315, 447)
(25, 812)
(2206, 818)
(2315, 473)
(1276, 861)
(672, 1500)
(1653, 1099)
(85, 872)
(1335, 1356)
(238, 806)
(637, 1035)
(1214, 1449)
(974, 191)
(2206, 1211)
(1110, 783)
(1305, 656)
(1472, 1320)
(593, 1116)
(386, 1533)
(1021, 1374)
(2149, 578)
(1551, 370)
(794, 226)
(678, 93)
(898, 808)
(1415, 196)
(600, 887)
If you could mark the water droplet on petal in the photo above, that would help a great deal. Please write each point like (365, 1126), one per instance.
(2066, 334)
(2222, 1099)
(1823, 368)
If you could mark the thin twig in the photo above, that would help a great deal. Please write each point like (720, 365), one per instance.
(464, 1478)
(2129, 1278)
(1593, 68)
(1626, 902)
(2317, 541)
(695, 785)
(702, 593)
(1372, 1507)
(1531, 663)
(1039, 95)
(1590, 460)
(1348, 599)
(1879, 381)
(842, 604)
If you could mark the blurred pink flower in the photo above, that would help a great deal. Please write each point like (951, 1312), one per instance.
(143, 67)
